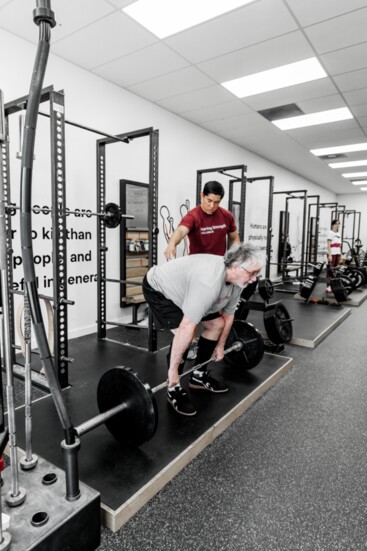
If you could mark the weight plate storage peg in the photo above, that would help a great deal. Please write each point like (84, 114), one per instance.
(265, 288)
(278, 323)
(253, 346)
(138, 421)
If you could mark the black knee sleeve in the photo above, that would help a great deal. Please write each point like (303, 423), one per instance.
(205, 351)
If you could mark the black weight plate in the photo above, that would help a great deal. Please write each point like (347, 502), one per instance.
(278, 324)
(347, 283)
(308, 286)
(337, 287)
(253, 346)
(138, 422)
(317, 269)
(112, 218)
(249, 290)
(265, 288)
(242, 310)
(357, 276)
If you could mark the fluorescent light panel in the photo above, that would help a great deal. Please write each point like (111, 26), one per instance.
(348, 164)
(359, 182)
(363, 188)
(354, 174)
(322, 117)
(166, 17)
(274, 79)
(339, 149)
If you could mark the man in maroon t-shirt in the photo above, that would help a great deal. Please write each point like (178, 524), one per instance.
(206, 225)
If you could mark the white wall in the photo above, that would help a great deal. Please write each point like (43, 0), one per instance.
(357, 202)
(183, 149)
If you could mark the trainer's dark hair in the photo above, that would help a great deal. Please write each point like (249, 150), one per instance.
(244, 254)
(335, 221)
(213, 187)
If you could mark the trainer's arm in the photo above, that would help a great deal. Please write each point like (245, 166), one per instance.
(181, 342)
(176, 238)
(219, 349)
(234, 238)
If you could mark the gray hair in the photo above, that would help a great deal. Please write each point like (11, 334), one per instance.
(243, 254)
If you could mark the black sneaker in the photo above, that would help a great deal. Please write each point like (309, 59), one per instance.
(204, 381)
(179, 400)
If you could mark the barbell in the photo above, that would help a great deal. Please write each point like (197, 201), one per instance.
(111, 215)
(127, 405)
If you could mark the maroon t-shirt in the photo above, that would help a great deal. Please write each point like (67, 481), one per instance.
(208, 232)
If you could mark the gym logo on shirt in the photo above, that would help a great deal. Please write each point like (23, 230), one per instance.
(211, 229)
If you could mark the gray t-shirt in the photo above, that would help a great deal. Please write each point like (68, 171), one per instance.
(196, 284)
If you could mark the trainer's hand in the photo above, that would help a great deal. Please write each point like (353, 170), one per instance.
(170, 252)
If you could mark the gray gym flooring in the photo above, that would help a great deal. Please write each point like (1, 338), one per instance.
(288, 475)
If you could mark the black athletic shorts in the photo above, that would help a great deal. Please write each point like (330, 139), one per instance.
(166, 314)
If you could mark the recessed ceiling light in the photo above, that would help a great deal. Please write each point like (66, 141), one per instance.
(322, 117)
(340, 149)
(274, 79)
(359, 182)
(363, 188)
(348, 164)
(166, 17)
(354, 174)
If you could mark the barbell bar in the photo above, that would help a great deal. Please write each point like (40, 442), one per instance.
(111, 412)
(127, 405)
(111, 216)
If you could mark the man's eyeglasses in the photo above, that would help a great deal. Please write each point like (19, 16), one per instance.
(251, 274)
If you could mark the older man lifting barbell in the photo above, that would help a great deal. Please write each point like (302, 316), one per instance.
(195, 289)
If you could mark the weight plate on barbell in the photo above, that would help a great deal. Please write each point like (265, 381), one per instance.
(308, 286)
(357, 276)
(249, 290)
(265, 288)
(348, 283)
(136, 423)
(278, 323)
(339, 290)
(317, 269)
(253, 346)
(112, 217)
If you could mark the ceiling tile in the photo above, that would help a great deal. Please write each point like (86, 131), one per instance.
(351, 81)
(104, 40)
(313, 11)
(196, 99)
(17, 17)
(230, 123)
(292, 94)
(248, 25)
(142, 65)
(339, 32)
(356, 97)
(172, 84)
(345, 60)
(325, 139)
(360, 110)
(218, 111)
(321, 104)
(284, 49)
